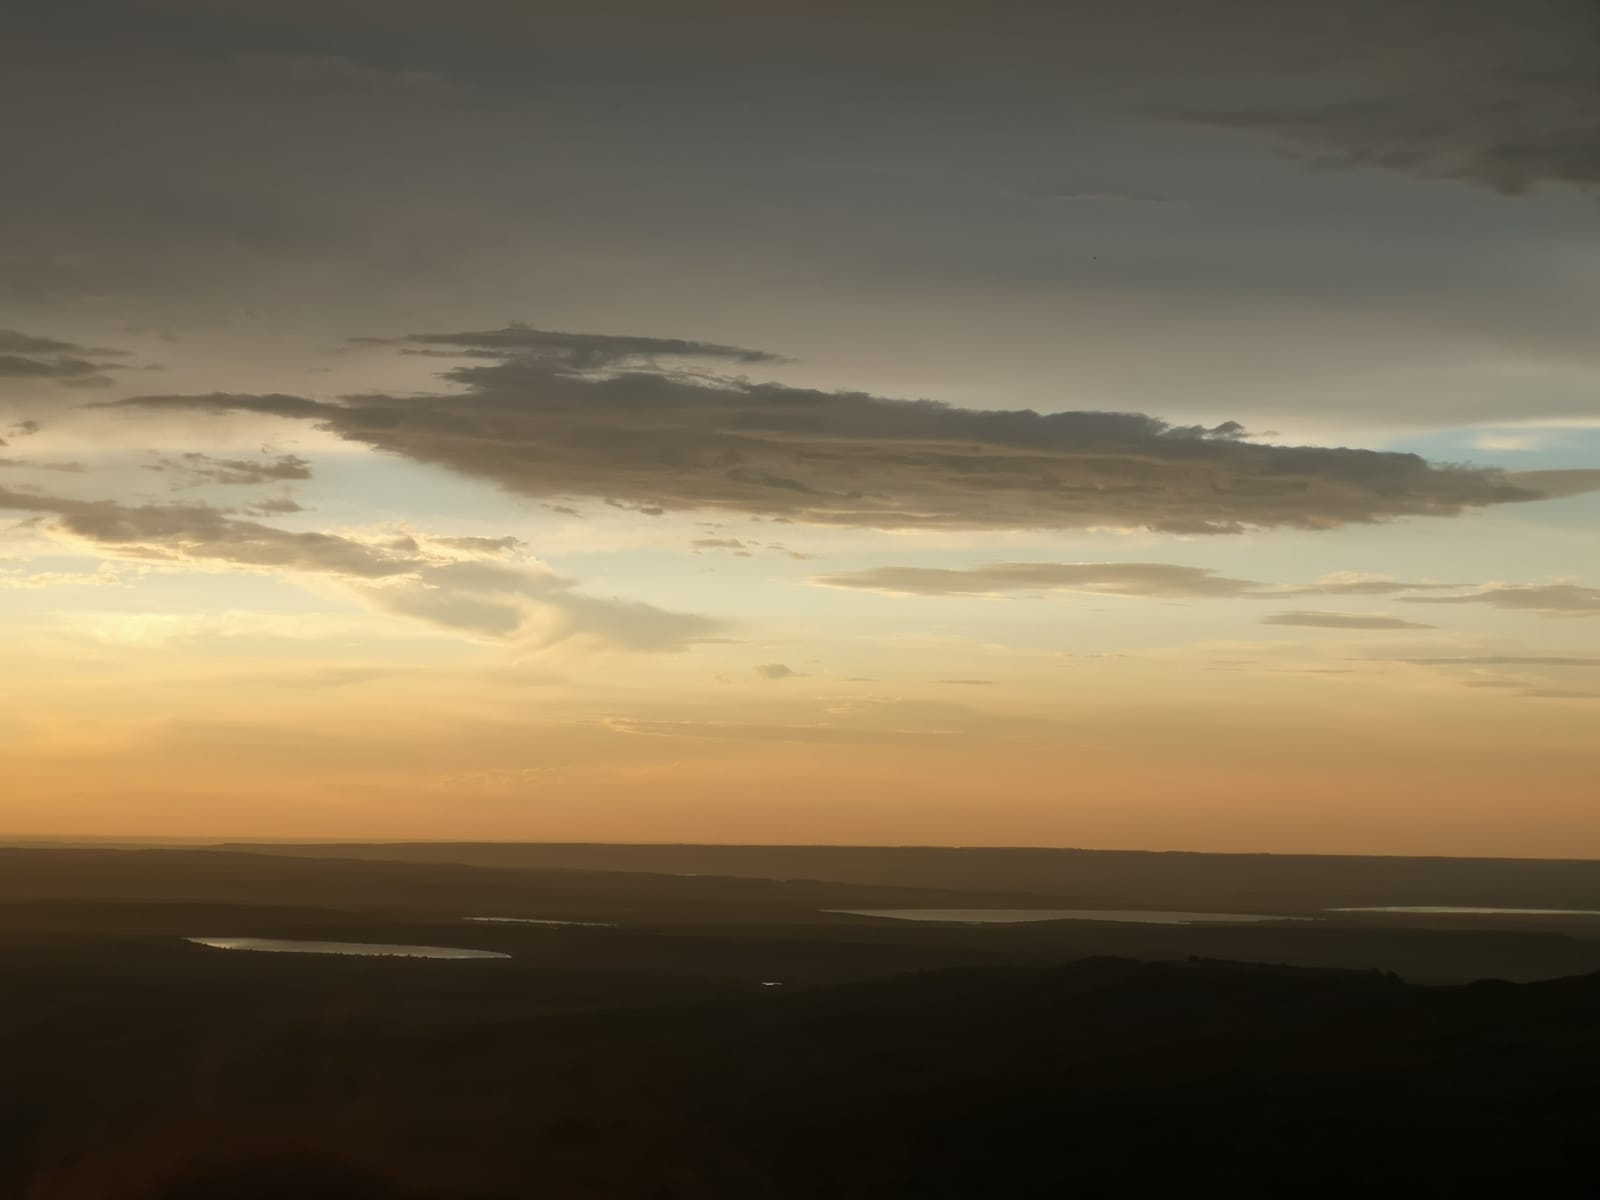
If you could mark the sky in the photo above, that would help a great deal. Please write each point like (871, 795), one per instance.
(1162, 424)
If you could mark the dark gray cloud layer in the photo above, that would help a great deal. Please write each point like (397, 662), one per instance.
(575, 351)
(1501, 94)
(1507, 99)
(1508, 130)
(26, 356)
(377, 166)
(655, 440)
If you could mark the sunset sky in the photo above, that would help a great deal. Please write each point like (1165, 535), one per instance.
(1162, 424)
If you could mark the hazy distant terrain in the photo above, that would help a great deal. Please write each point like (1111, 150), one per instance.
(1106, 878)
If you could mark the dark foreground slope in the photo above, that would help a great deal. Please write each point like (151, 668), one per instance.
(1097, 1078)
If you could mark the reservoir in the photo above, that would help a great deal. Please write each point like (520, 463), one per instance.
(1449, 910)
(1013, 916)
(363, 949)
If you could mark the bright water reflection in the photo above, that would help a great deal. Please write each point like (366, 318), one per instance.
(364, 949)
(1012, 916)
(1466, 911)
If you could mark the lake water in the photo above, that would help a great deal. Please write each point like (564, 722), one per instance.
(1464, 911)
(1013, 916)
(364, 949)
(539, 921)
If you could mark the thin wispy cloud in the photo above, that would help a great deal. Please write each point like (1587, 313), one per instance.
(1546, 599)
(1341, 620)
(403, 575)
(1135, 579)
(194, 467)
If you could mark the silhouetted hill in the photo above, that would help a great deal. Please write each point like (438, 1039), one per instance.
(1103, 1078)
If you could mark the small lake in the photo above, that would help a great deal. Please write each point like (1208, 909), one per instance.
(539, 921)
(1015, 916)
(1454, 910)
(362, 949)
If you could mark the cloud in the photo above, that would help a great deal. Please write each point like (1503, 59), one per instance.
(1541, 676)
(34, 464)
(404, 576)
(1352, 583)
(481, 545)
(745, 549)
(106, 576)
(1546, 599)
(496, 601)
(538, 420)
(21, 429)
(1506, 97)
(274, 506)
(573, 351)
(271, 404)
(1507, 660)
(338, 71)
(828, 735)
(199, 468)
(25, 356)
(321, 678)
(199, 533)
(1339, 620)
(1554, 484)
(1171, 581)
(863, 721)
(1514, 443)
(738, 548)
(1104, 579)
(1157, 580)
(76, 371)
(1507, 130)
(13, 341)
(1087, 195)
(775, 671)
